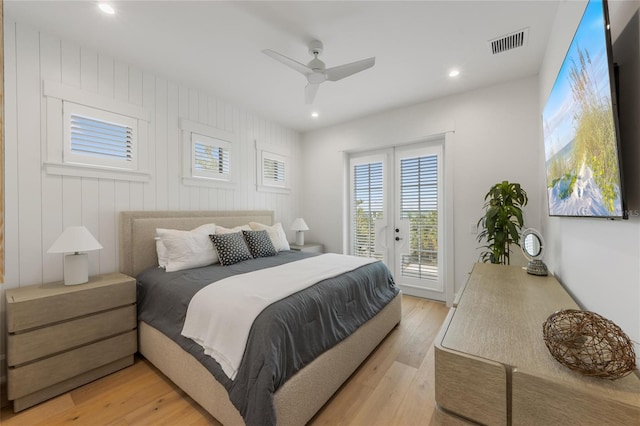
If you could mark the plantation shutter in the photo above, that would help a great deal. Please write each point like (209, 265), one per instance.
(273, 171)
(95, 137)
(368, 199)
(99, 138)
(210, 157)
(419, 205)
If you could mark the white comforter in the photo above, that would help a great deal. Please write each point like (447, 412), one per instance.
(219, 316)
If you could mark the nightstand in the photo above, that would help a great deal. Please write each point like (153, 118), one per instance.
(61, 337)
(308, 247)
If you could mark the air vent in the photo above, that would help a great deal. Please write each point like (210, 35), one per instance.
(509, 42)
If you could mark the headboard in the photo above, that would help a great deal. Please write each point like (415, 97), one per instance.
(138, 231)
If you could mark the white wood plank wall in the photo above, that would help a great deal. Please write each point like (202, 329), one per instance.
(39, 206)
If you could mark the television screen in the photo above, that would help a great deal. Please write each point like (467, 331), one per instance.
(580, 126)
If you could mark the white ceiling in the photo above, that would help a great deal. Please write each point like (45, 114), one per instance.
(216, 46)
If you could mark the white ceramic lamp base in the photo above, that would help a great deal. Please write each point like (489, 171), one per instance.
(76, 268)
(299, 238)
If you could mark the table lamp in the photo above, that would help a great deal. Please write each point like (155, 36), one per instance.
(299, 226)
(73, 240)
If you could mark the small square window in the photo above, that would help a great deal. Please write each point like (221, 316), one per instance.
(95, 137)
(210, 157)
(208, 154)
(273, 168)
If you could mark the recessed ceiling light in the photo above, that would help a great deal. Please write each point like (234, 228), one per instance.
(315, 114)
(454, 73)
(106, 8)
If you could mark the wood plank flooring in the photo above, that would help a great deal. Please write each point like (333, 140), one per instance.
(394, 386)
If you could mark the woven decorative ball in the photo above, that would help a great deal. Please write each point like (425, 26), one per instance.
(589, 343)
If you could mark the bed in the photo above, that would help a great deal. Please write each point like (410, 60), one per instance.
(303, 394)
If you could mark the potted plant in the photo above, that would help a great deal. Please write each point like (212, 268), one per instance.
(502, 221)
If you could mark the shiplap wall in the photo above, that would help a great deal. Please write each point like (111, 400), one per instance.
(39, 206)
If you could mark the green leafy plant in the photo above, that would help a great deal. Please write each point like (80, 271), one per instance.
(502, 222)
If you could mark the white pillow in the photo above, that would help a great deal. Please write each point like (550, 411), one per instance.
(161, 251)
(188, 249)
(223, 230)
(276, 233)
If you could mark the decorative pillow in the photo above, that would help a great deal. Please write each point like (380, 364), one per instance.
(276, 233)
(223, 230)
(259, 243)
(231, 248)
(187, 249)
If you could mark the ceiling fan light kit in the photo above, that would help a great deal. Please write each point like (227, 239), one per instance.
(316, 71)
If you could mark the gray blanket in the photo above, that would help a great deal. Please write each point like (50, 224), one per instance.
(284, 338)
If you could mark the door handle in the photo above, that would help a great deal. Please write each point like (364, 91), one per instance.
(398, 238)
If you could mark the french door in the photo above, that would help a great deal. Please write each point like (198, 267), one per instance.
(396, 215)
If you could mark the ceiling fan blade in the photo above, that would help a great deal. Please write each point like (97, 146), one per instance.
(342, 71)
(310, 92)
(301, 68)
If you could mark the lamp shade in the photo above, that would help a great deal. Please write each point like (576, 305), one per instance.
(75, 239)
(299, 225)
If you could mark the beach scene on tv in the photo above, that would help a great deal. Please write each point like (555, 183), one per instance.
(581, 153)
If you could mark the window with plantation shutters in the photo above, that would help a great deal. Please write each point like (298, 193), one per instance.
(419, 206)
(99, 138)
(273, 171)
(272, 168)
(210, 157)
(367, 206)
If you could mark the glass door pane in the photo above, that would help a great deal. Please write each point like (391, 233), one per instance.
(368, 206)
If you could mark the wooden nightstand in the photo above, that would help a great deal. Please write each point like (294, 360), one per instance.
(61, 337)
(308, 247)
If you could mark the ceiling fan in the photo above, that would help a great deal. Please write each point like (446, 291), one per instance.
(315, 70)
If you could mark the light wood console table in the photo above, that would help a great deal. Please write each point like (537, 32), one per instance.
(492, 366)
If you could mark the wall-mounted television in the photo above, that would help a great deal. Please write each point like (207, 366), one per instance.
(580, 126)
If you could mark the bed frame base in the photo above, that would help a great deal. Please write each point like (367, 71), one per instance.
(300, 398)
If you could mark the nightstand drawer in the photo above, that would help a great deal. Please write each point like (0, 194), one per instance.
(41, 342)
(37, 306)
(38, 375)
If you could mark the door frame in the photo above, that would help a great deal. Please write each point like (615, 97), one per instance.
(448, 266)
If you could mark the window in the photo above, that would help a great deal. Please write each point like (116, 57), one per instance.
(210, 157)
(98, 138)
(89, 135)
(273, 168)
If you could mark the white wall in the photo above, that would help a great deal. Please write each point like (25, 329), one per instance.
(39, 206)
(496, 138)
(597, 260)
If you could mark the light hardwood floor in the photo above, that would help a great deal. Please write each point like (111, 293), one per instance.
(394, 386)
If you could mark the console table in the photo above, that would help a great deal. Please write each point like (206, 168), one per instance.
(492, 366)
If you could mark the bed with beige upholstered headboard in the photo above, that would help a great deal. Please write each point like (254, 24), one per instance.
(138, 231)
(303, 394)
